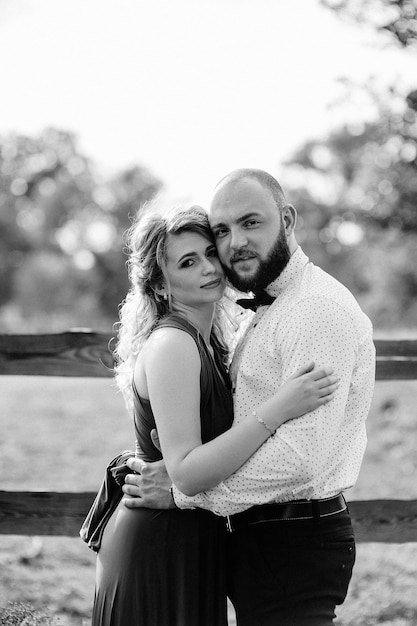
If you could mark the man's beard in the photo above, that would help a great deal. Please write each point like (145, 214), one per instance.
(269, 269)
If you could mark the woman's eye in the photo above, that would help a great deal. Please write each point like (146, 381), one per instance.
(187, 263)
(212, 252)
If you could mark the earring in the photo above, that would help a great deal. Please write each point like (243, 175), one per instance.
(161, 293)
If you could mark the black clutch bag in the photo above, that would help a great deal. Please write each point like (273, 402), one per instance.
(106, 500)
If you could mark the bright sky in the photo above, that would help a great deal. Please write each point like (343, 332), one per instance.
(191, 89)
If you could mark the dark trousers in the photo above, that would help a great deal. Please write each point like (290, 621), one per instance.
(290, 573)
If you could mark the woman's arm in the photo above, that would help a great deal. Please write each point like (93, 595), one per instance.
(173, 379)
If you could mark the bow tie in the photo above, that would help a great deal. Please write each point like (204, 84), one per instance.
(261, 299)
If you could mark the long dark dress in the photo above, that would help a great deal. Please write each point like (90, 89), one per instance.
(167, 567)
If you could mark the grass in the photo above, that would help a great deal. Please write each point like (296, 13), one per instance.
(60, 433)
(20, 614)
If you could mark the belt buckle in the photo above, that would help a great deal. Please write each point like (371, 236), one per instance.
(229, 526)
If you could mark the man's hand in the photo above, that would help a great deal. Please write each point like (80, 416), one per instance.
(149, 487)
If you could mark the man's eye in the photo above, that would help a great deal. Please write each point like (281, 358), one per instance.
(221, 232)
(251, 223)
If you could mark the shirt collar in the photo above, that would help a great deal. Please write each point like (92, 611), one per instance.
(294, 268)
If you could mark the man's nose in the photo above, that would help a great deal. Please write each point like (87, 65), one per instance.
(238, 239)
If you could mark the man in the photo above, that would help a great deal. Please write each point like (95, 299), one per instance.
(291, 542)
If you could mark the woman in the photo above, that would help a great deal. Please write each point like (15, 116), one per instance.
(166, 567)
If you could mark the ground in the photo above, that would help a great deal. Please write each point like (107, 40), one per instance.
(59, 433)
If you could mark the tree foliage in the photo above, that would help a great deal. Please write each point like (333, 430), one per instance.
(372, 166)
(61, 226)
(362, 180)
(397, 18)
(356, 190)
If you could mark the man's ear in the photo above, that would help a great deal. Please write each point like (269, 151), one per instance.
(289, 217)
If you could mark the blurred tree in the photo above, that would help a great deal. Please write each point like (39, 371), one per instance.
(396, 17)
(131, 189)
(364, 174)
(372, 165)
(356, 192)
(61, 228)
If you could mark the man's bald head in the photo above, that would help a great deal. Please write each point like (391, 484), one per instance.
(263, 178)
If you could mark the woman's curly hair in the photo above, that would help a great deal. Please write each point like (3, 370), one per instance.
(143, 307)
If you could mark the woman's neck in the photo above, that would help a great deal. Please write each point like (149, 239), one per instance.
(201, 318)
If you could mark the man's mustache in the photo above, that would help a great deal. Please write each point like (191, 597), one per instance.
(242, 255)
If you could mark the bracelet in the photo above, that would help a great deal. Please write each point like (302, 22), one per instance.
(264, 424)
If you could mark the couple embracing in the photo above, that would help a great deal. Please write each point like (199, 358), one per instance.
(237, 485)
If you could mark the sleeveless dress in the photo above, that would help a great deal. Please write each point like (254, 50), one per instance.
(168, 567)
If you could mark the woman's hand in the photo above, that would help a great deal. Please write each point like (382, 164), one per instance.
(306, 390)
(303, 392)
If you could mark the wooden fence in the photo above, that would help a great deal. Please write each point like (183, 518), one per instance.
(86, 354)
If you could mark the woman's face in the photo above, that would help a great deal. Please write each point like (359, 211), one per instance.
(193, 273)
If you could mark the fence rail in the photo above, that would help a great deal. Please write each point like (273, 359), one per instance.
(84, 353)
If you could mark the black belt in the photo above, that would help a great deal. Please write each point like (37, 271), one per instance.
(296, 510)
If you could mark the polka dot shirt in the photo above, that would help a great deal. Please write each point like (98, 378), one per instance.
(314, 318)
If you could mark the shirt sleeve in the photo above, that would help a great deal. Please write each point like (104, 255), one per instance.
(290, 463)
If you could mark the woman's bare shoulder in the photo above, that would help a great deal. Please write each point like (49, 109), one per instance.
(168, 342)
